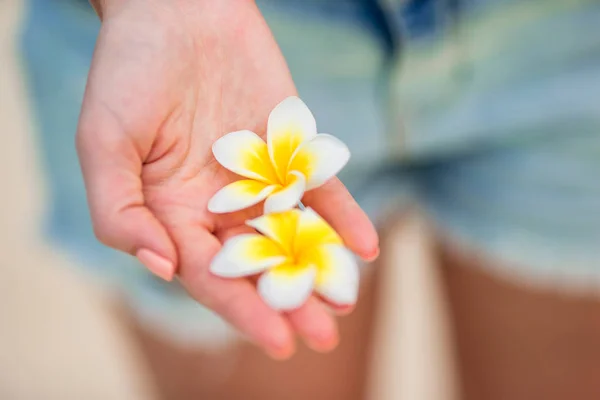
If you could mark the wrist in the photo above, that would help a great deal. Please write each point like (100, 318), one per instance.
(96, 6)
(101, 6)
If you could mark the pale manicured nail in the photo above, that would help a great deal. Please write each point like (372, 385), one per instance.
(158, 265)
(340, 311)
(372, 256)
(280, 355)
(322, 345)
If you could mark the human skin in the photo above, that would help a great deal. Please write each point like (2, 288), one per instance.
(519, 339)
(167, 79)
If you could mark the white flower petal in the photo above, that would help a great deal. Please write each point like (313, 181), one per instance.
(290, 124)
(246, 154)
(320, 159)
(289, 196)
(337, 273)
(245, 255)
(239, 195)
(286, 287)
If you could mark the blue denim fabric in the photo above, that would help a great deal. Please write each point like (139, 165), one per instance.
(57, 46)
(475, 109)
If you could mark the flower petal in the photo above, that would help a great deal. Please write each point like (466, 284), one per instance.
(287, 197)
(279, 227)
(320, 159)
(290, 124)
(246, 154)
(337, 273)
(245, 255)
(313, 230)
(239, 195)
(287, 287)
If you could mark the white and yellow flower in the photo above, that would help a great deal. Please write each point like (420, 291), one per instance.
(296, 251)
(295, 159)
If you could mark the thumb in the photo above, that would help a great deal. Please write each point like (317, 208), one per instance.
(112, 166)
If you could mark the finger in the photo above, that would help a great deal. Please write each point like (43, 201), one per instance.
(224, 235)
(112, 168)
(337, 309)
(335, 204)
(317, 327)
(235, 300)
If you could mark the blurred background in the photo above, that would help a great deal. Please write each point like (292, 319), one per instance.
(474, 128)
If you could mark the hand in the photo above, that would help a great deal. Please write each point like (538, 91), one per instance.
(167, 80)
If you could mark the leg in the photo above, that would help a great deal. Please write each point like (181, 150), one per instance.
(519, 342)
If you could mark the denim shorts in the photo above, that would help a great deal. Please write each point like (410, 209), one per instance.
(486, 113)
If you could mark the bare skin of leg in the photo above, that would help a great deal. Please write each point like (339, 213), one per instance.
(518, 342)
(184, 373)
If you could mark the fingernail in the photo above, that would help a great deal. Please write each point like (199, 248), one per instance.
(322, 345)
(339, 311)
(372, 256)
(280, 355)
(158, 265)
(343, 310)
(282, 352)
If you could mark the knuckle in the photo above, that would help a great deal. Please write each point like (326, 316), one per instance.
(89, 141)
(100, 131)
(104, 231)
(233, 307)
(101, 234)
(84, 140)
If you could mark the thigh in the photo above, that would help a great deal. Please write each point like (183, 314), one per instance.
(518, 341)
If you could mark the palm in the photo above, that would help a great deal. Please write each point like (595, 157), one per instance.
(160, 92)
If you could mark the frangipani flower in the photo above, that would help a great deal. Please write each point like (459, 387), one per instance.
(295, 159)
(298, 252)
